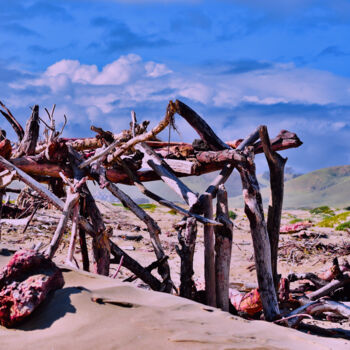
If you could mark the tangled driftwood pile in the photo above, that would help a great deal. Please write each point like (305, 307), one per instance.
(66, 164)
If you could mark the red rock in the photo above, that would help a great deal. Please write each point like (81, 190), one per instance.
(24, 284)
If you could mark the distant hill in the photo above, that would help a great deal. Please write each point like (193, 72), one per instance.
(328, 186)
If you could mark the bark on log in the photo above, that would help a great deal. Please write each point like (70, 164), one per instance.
(276, 165)
(186, 252)
(262, 252)
(223, 249)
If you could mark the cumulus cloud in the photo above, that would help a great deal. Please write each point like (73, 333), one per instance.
(312, 103)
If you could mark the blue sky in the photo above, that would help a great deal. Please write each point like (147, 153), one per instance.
(238, 63)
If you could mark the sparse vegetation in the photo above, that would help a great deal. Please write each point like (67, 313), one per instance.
(324, 209)
(148, 206)
(294, 221)
(232, 215)
(343, 226)
(172, 212)
(334, 220)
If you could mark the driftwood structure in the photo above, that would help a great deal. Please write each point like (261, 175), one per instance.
(65, 164)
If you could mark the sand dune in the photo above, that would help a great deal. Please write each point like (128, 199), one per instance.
(125, 317)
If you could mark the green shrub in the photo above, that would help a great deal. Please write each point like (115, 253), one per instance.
(333, 220)
(295, 221)
(232, 215)
(347, 208)
(148, 206)
(172, 212)
(325, 210)
(343, 226)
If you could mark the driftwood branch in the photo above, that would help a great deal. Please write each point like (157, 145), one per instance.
(12, 120)
(262, 252)
(30, 138)
(209, 253)
(166, 174)
(186, 252)
(276, 165)
(72, 199)
(153, 229)
(223, 248)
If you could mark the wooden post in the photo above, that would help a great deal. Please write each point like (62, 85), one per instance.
(276, 165)
(209, 253)
(223, 249)
(262, 252)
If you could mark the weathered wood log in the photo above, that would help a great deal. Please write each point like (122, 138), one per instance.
(200, 125)
(186, 252)
(30, 138)
(223, 249)
(37, 166)
(12, 120)
(262, 252)
(330, 287)
(276, 165)
(166, 174)
(153, 229)
(209, 253)
(72, 199)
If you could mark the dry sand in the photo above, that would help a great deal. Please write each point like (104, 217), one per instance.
(127, 317)
(134, 318)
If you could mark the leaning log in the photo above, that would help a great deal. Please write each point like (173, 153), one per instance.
(276, 165)
(262, 252)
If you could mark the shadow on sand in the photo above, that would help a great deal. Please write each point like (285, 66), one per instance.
(56, 306)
